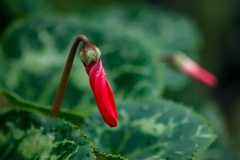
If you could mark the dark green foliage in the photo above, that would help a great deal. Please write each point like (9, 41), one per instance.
(151, 130)
(29, 135)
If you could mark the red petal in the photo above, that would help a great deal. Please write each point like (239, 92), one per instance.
(90, 66)
(93, 72)
(103, 95)
(110, 93)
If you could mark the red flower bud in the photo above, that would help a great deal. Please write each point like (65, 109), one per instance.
(90, 56)
(102, 92)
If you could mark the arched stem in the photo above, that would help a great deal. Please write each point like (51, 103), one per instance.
(56, 105)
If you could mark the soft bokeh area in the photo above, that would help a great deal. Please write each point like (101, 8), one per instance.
(36, 37)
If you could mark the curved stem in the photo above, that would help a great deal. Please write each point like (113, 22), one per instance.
(56, 105)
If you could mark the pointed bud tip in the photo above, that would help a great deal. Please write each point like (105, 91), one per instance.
(213, 82)
(110, 119)
(113, 124)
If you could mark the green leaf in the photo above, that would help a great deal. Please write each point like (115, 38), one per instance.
(29, 135)
(16, 101)
(36, 50)
(151, 130)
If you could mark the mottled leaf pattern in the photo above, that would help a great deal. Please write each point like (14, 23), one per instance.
(29, 135)
(151, 130)
(76, 119)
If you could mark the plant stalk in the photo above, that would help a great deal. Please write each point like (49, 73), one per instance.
(57, 102)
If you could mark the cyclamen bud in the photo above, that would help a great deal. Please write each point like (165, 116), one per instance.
(90, 56)
(191, 68)
(89, 53)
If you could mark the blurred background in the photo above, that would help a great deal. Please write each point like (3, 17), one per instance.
(36, 37)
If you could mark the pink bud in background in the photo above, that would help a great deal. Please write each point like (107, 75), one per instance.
(192, 69)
